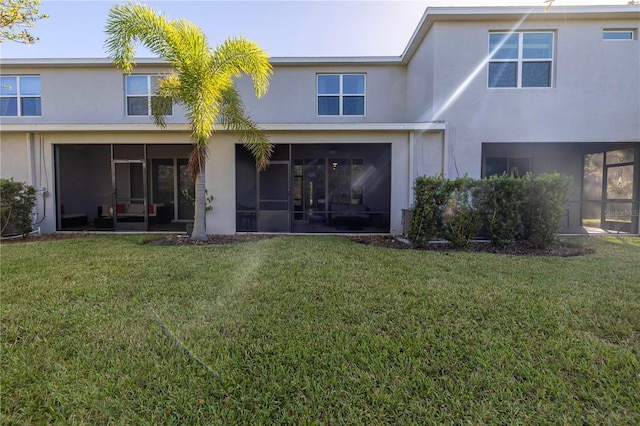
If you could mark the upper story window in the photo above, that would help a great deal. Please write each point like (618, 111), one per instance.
(20, 96)
(140, 90)
(617, 34)
(341, 94)
(520, 59)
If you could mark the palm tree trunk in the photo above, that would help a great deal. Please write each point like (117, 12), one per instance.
(199, 221)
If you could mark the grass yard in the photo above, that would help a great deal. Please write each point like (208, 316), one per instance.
(317, 330)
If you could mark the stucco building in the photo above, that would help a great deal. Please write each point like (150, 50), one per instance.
(477, 91)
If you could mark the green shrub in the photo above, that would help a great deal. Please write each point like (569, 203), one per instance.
(430, 195)
(461, 218)
(17, 202)
(502, 199)
(544, 205)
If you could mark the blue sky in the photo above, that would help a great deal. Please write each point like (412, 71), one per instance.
(75, 29)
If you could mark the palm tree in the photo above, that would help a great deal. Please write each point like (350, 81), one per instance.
(202, 81)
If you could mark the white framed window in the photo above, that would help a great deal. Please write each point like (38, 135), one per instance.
(341, 94)
(520, 59)
(20, 96)
(140, 91)
(618, 34)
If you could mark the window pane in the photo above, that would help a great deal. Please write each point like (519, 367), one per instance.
(30, 85)
(620, 156)
(8, 106)
(154, 82)
(30, 106)
(617, 35)
(503, 46)
(537, 45)
(353, 105)
(137, 106)
(328, 105)
(620, 182)
(502, 74)
(519, 167)
(8, 86)
(328, 84)
(137, 85)
(163, 104)
(592, 176)
(353, 84)
(536, 74)
(495, 166)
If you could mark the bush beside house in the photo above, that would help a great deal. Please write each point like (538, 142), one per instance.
(510, 208)
(17, 200)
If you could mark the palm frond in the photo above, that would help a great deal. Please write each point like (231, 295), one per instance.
(167, 91)
(234, 118)
(237, 56)
(130, 23)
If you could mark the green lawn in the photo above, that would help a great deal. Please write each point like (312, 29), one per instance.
(317, 330)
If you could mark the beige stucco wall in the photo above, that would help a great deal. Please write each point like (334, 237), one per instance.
(14, 156)
(594, 97)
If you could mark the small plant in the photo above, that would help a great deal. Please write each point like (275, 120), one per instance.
(17, 202)
(208, 204)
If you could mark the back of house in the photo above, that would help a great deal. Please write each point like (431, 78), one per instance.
(477, 91)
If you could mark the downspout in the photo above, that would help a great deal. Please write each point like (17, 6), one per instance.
(31, 164)
(412, 165)
(447, 150)
(31, 177)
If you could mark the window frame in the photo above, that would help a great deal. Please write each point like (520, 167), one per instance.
(20, 96)
(341, 95)
(149, 95)
(629, 31)
(521, 59)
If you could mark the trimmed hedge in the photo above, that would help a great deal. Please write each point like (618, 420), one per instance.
(17, 200)
(547, 195)
(510, 208)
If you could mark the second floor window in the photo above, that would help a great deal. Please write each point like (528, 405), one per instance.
(617, 34)
(20, 96)
(341, 94)
(140, 95)
(522, 59)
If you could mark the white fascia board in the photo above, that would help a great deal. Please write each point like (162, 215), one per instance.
(77, 62)
(269, 127)
(335, 60)
(275, 61)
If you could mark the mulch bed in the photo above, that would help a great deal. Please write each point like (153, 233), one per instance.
(519, 248)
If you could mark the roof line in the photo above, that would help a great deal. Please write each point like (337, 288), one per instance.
(430, 16)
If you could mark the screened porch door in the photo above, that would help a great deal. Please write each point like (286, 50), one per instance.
(273, 214)
(129, 183)
(610, 188)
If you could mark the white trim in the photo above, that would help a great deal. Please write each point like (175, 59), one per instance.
(520, 60)
(19, 96)
(341, 95)
(629, 31)
(119, 127)
(149, 95)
